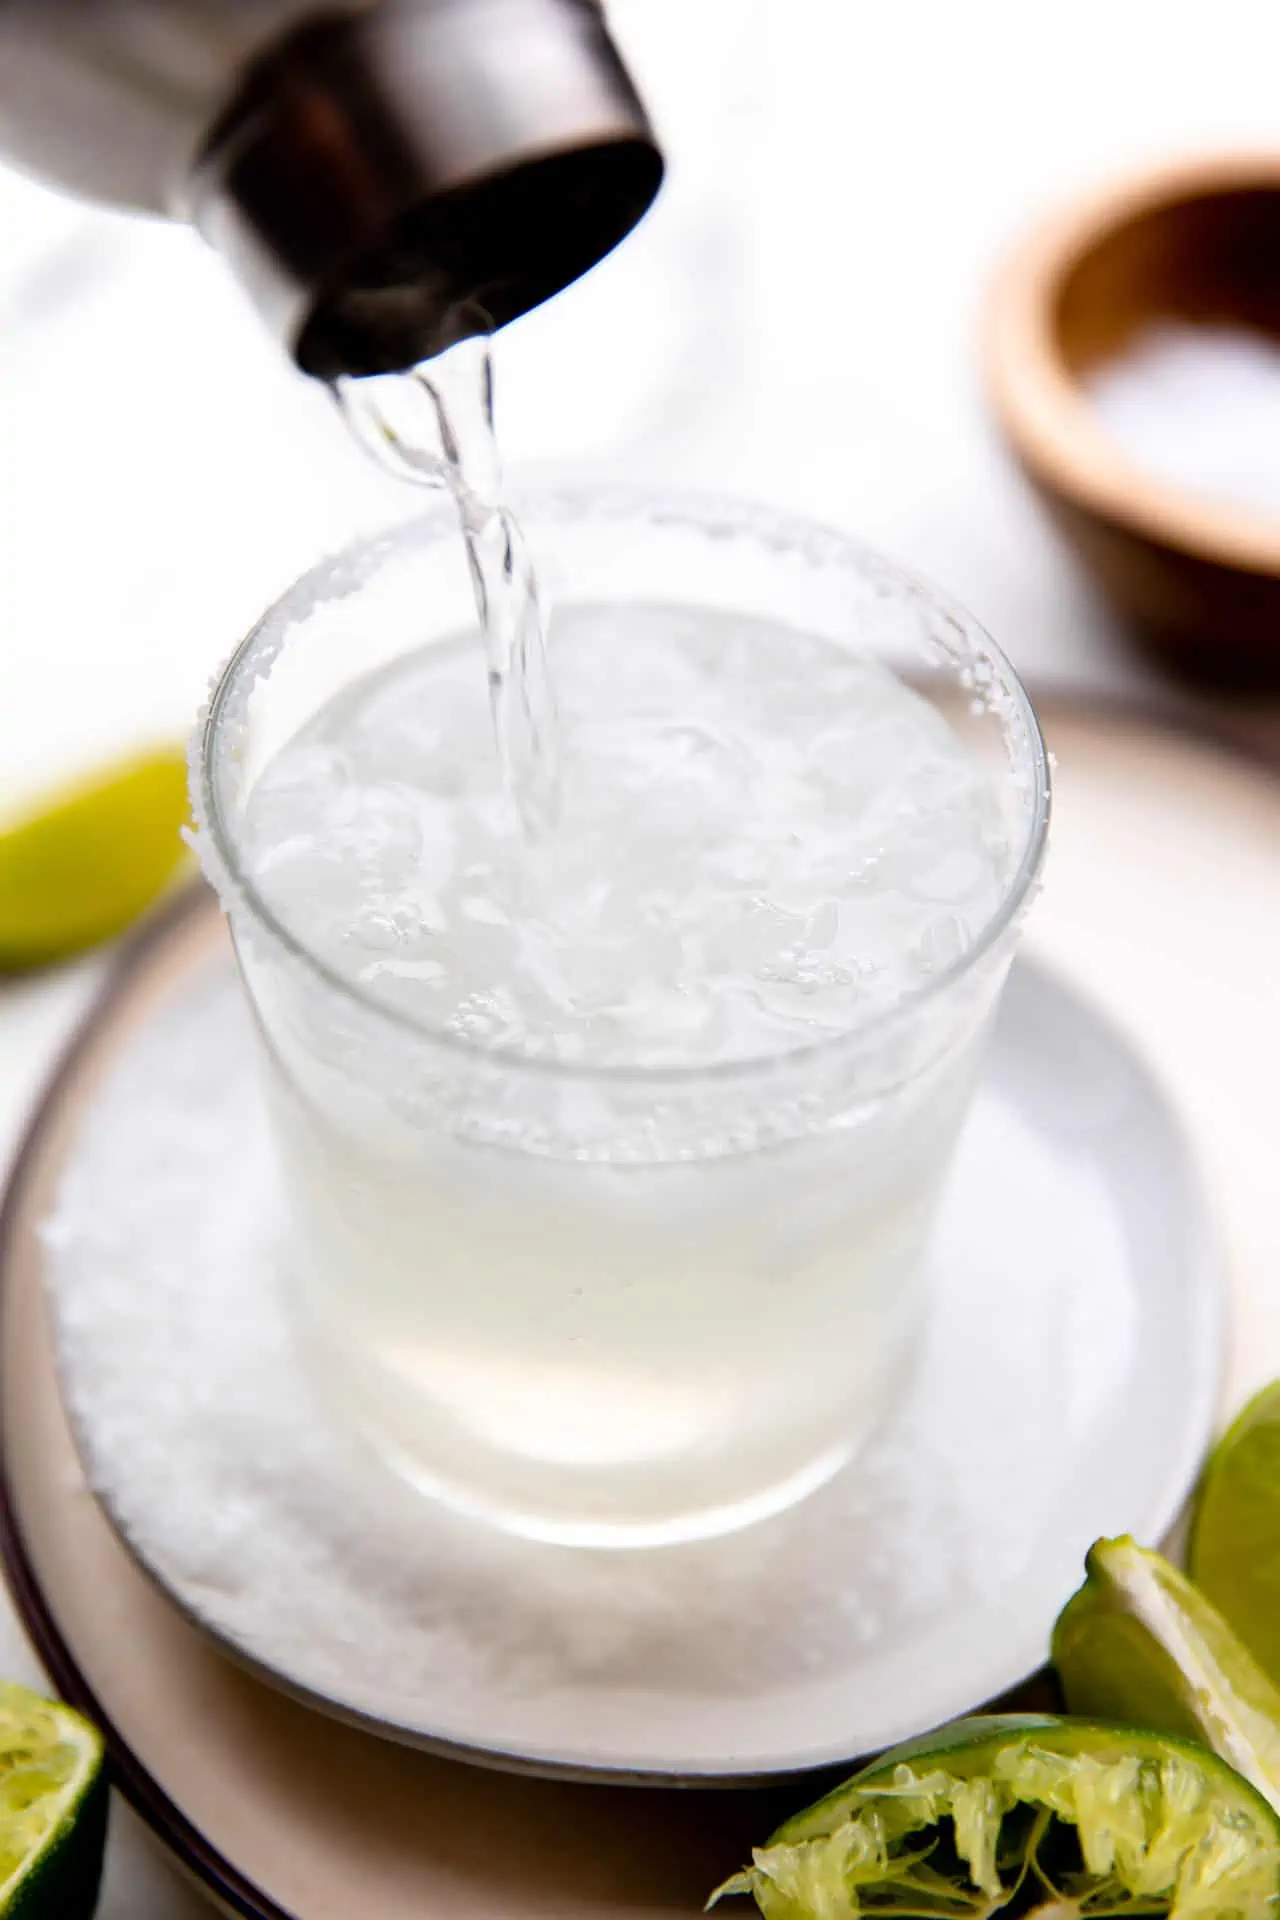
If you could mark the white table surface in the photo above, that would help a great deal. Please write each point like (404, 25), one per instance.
(796, 320)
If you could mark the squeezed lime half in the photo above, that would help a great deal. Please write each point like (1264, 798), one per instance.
(1027, 1815)
(53, 1809)
(1234, 1551)
(82, 864)
(1139, 1643)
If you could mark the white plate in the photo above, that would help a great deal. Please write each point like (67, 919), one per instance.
(1066, 1388)
(1161, 899)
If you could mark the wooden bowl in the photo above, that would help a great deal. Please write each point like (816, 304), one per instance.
(1196, 581)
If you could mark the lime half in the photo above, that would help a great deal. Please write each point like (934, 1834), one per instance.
(1024, 1815)
(1234, 1552)
(85, 863)
(1139, 1643)
(53, 1809)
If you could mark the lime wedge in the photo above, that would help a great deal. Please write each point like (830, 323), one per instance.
(1234, 1552)
(1139, 1643)
(53, 1809)
(1022, 1814)
(88, 861)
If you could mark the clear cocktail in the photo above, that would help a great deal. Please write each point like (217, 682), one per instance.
(611, 1149)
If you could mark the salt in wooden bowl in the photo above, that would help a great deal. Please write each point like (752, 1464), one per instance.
(1197, 242)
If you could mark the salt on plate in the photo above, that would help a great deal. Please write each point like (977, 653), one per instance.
(201, 1435)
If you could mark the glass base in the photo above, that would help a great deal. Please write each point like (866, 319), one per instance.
(601, 1499)
(678, 1529)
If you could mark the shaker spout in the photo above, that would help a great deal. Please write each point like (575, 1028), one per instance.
(371, 172)
(381, 179)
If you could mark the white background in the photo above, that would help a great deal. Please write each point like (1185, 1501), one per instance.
(796, 320)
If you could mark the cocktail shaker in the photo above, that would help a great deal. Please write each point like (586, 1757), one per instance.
(371, 172)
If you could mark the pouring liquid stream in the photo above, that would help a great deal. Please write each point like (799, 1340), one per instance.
(433, 426)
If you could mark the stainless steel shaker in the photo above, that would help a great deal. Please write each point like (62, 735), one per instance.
(369, 171)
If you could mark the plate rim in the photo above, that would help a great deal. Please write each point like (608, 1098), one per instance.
(193, 1851)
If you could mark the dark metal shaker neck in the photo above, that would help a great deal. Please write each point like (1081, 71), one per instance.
(381, 172)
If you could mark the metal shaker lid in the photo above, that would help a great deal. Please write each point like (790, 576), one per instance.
(381, 171)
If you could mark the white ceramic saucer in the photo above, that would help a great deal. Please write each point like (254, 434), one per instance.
(1161, 899)
(1065, 1388)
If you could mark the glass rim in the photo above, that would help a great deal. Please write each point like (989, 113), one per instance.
(580, 502)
